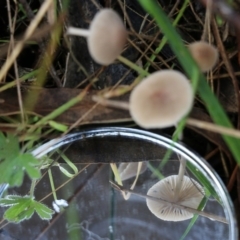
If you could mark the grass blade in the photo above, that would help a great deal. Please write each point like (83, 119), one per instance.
(194, 219)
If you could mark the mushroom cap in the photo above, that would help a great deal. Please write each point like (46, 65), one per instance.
(205, 54)
(129, 170)
(190, 195)
(161, 99)
(107, 36)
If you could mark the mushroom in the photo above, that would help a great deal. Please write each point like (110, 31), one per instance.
(161, 100)
(176, 205)
(106, 36)
(129, 170)
(205, 55)
(191, 194)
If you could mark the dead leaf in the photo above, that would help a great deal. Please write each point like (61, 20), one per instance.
(51, 99)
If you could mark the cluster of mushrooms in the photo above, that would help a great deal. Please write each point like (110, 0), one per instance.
(160, 100)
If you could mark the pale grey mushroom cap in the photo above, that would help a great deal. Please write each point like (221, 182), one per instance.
(205, 54)
(190, 195)
(129, 170)
(107, 37)
(161, 99)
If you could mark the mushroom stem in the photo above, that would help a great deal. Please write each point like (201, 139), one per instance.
(181, 173)
(111, 103)
(180, 178)
(189, 209)
(78, 32)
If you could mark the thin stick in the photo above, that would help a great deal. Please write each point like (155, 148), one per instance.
(11, 47)
(191, 210)
(207, 21)
(18, 48)
(214, 128)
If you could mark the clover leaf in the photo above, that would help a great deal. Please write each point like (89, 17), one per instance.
(23, 207)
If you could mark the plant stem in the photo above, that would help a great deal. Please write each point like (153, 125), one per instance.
(52, 184)
(133, 66)
(32, 188)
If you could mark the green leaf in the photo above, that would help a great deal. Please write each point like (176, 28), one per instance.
(16, 178)
(43, 211)
(22, 208)
(9, 147)
(15, 197)
(16, 213)
(9, 200)
(28, 159)
(26, 214)
(13, 163)
(29, 162)
(58, 126)
(33, 173)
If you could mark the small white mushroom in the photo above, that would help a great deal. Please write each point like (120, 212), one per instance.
(161, 100)
(205, 55)
(129, 170)
(191, 194)
(59, 204)
(106, 36)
